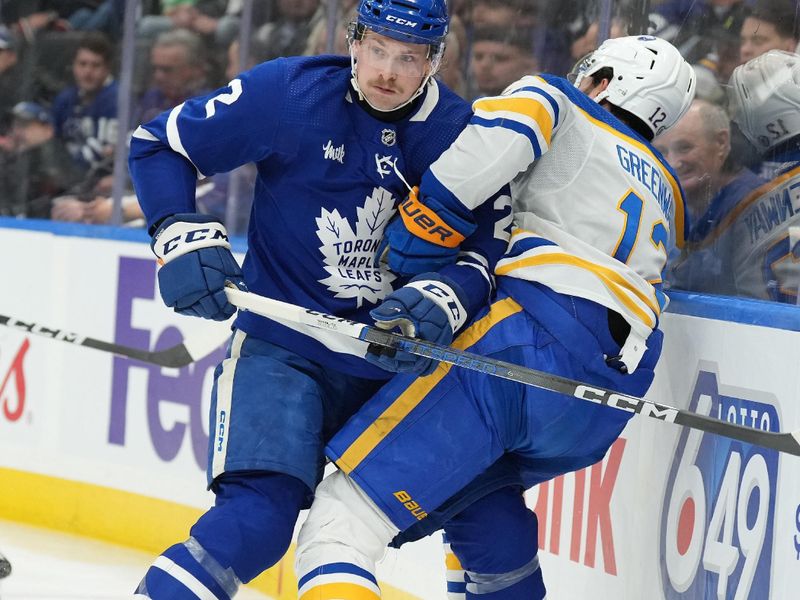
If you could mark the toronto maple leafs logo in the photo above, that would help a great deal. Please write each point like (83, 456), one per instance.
(349, 254)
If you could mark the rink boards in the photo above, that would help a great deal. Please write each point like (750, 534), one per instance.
(114, 449)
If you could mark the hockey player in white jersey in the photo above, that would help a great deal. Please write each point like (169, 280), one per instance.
(330, 137)
(596, 208)
(764, 228)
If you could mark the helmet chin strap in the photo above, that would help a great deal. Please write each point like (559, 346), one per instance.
(363, 98)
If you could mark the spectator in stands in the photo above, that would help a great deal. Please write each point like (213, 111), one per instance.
(36, 167)
(288, 34)
(29, 18)
(228, 24)
(106, 16)
(503, 13)
(199, 16)
(257, 54)
(500, 56)
(548, 37)
(85, 114)
(452, 71)
(587, 40)
(177, 60)
(10, 74)
(179, 71)
(705, 31)
(699, 150)
(773, 25)
(317, 42)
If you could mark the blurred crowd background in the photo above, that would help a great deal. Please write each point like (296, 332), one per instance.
(78, 76)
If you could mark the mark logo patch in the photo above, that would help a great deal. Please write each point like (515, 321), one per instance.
(719, 507)
(332, 152)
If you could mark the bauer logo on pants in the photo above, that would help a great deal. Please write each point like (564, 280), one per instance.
(719, 506)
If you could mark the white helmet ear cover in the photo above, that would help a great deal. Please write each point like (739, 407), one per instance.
(764, 98)
(651, 79)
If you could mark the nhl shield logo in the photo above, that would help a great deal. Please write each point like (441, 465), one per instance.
(389, 137)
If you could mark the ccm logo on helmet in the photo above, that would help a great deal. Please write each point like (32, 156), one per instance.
(401, 21)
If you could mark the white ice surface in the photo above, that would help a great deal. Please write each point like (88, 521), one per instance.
(49, 565)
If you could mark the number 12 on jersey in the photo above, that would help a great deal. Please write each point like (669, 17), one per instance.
(631, 206)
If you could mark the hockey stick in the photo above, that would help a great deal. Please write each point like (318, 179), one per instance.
(185, 353)
(267, 307)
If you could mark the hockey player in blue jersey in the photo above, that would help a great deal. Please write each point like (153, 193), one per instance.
(332, 140)
(596, 209)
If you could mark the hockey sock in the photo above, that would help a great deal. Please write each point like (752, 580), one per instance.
(247, 531)
(495, 540)
(186, 571)
(526, 584)
(455, 574)
(337, 548)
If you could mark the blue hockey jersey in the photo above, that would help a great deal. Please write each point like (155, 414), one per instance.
(327, 184)
(89, 130)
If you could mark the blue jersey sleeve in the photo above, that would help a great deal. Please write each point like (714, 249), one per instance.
(232, 126)
(479, 253)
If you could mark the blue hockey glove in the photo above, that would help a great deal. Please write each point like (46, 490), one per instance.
(422, 237)
(196, 260)
(430, 307)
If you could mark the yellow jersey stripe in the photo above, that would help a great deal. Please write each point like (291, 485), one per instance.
(452, 563)
(529, 107)
(336, 591)
(413, 395)
(611, 279)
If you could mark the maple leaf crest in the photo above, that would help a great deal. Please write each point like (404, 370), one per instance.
(349, 255)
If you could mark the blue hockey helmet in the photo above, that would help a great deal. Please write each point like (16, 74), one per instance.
(412, 21)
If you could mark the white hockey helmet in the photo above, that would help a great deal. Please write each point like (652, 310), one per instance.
(764, 98)
(651, 80)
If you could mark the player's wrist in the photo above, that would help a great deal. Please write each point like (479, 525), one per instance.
(183, 233)
(430, 220)
(445, 293)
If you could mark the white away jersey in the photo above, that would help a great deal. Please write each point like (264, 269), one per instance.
(596, 208)
(765, 228)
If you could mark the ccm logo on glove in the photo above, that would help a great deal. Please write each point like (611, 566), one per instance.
(426, 224)
(445, 297)
(181, 237)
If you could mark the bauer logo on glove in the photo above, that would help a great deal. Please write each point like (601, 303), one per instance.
(426, 224)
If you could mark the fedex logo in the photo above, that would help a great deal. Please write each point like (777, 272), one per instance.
(797, 537)
(184, 389)
(401, 21)
(719, 505)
